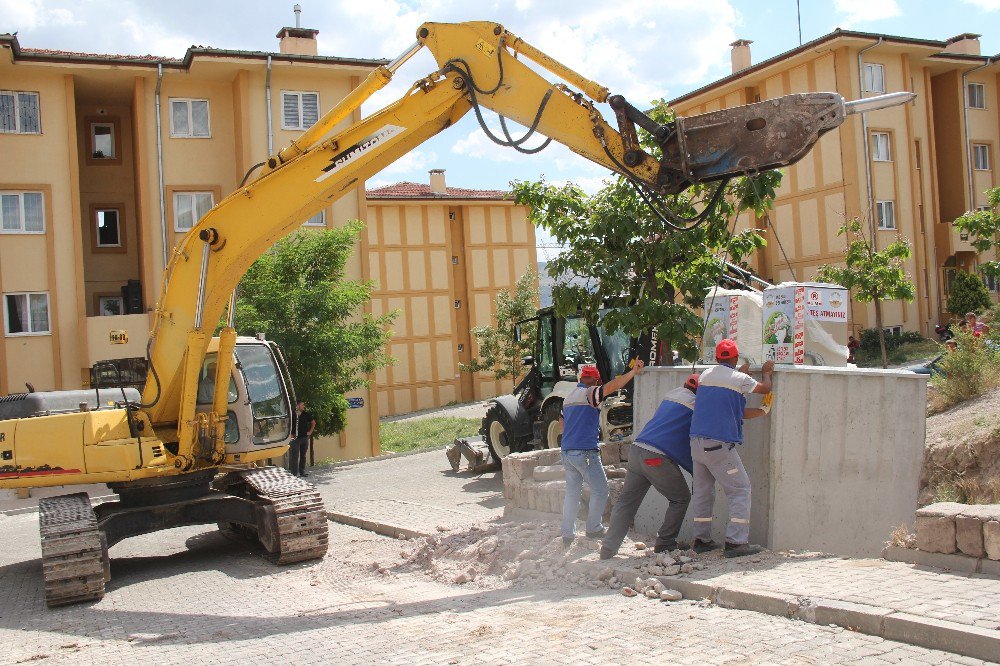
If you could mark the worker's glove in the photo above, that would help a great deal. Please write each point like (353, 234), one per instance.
(765, 403)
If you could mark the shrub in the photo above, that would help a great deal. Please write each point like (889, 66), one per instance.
(968, 294)
(969, 371)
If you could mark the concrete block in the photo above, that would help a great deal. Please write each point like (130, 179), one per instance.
(549, 472)
(761, 601)
(942, 510)
(990, 567)
(984, 512)
(969, 535)
(991, 539)
(623, 448)
(548, 457)
(551, 497)
(856, 617)
(949, 561)
(936, 534)
(934, 634)
(609, 453)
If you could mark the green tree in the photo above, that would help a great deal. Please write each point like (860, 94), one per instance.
(968, 294)
(872, 276)
(298, 295)
(983, 227)
(621, 255)
(500, 352)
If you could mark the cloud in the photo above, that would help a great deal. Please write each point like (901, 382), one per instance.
(866, 11)
(28, 14)
(985, 5)
(413, 161)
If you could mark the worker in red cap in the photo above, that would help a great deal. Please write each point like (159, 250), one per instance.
(716, 430)
(581, 456)
(655, 459)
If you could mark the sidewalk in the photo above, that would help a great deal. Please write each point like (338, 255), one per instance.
(409, 495)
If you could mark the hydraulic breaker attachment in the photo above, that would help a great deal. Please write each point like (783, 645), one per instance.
(744, 139)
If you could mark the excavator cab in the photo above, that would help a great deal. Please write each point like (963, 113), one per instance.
(260, 399)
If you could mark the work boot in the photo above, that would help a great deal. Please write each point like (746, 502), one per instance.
(567, 542)
(741, 549)
(700, 546)
(607, 554)
(597, 534)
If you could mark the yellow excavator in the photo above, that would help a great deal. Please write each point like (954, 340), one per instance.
(188, 450)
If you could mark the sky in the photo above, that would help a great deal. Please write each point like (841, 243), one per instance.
(642, 49)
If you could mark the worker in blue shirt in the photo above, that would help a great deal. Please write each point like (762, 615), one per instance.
(716, 430)
(581, 456)
(655, 459)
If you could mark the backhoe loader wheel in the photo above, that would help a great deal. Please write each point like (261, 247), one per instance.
(75, 564)
(551, 426)
(496, 431)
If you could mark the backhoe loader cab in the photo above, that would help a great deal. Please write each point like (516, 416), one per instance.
(530, 416)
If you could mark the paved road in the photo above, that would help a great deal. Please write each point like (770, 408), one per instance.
(189, 596)
(419, 492)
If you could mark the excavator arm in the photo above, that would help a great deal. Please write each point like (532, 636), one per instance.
(481, 66)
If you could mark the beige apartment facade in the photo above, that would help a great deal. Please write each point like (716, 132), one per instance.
(439, 255)
(905, 171)
(108, 160)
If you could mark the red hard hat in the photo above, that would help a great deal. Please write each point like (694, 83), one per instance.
(727, 350)
(589, 372)
(691, 383)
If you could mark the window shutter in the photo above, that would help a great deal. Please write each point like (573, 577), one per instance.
(310, 109)
(199, 117)
(10, 210)
(30, 122)
(8, 119)
(179, 119)
(290, 110)
(34, 211)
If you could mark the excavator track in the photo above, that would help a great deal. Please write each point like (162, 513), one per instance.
(75, 564)
(299, 528)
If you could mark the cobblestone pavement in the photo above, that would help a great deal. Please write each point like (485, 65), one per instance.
(419, 492)
(190, 596)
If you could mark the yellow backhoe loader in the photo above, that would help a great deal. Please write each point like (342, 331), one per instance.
(185, 451)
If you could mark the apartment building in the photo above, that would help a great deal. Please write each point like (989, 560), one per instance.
(108, 160)
(906, 171)
(440, 255)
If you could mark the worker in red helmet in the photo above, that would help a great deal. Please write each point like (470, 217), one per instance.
(716, 431)
(581, 456)
(655, 459)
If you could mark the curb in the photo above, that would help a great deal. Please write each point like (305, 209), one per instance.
(952, 562)
(385, 456)
(385, 529)
(963, 639)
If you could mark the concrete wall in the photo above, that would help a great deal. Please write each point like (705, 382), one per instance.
(835, 466)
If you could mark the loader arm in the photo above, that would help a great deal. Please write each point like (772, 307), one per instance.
(480, 67)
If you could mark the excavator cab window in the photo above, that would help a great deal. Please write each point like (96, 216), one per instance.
(615, 347)
(269, 402)
(206, 382)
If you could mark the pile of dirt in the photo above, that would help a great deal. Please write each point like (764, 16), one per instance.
(962, 458)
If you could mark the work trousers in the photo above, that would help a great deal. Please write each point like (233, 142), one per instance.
(718, 462)
(581, 466)
(648, 468)
(297, 451)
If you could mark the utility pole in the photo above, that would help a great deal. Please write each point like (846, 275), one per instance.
(798, 12)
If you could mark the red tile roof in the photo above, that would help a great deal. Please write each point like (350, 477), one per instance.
(408, 190)
(108, 56)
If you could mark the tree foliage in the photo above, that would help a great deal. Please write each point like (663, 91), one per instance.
(298, 296)
(500, 352)
(621, 255)
(983, 227)
(872, 276)
(968, 294)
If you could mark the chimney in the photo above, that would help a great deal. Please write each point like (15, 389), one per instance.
(297, 40)
(741, 54)
(437, 182)
(967, 44)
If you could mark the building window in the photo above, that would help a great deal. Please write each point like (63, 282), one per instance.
(189, 207)
(19, 112)
(977, 96)
(886, 211)
(893, 330)
(981, 156)
(26, 313)
(317, 220)
(22, 213)
(880, 147)
(299, 110)
(189, 118)
(108, 232)
(102, 141)
(991, 281)
(110, 306)
(874, 77)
